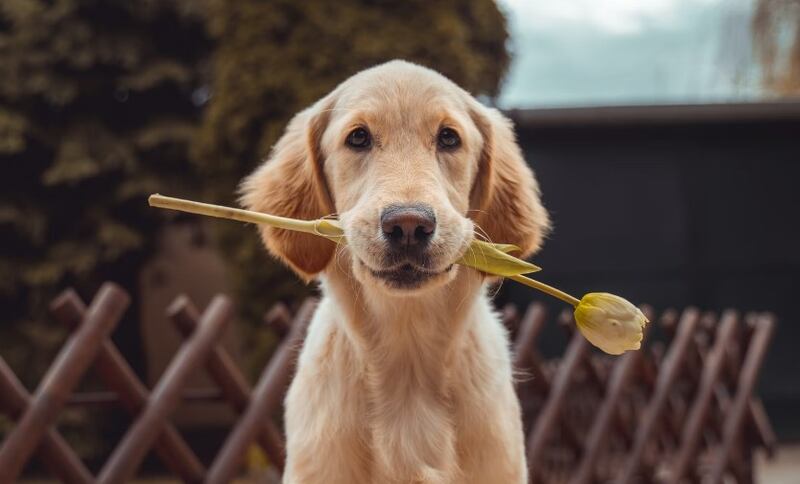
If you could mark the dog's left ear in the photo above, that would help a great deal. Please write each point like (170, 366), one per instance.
(291, 183)
(505, 198)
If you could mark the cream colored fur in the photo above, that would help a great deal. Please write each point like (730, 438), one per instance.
(400, 386)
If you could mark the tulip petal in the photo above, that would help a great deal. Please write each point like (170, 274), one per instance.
(494, 259)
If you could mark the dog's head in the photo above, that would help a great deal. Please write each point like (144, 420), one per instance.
(412, 165)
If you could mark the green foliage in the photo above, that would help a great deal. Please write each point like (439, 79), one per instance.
(96, 113)
(275, 58)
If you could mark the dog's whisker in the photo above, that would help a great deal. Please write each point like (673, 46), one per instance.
(483, 233)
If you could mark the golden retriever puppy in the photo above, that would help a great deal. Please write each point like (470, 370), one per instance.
(405, 375)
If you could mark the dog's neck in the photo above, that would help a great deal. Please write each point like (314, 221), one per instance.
(421, 327)
(406, 347)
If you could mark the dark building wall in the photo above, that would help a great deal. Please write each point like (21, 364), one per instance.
(677, 210)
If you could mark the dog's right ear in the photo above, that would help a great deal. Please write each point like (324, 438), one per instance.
(291, 183)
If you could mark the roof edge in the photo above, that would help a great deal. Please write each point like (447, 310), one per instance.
(657, 114)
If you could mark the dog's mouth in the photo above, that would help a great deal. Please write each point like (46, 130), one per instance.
(406, 276)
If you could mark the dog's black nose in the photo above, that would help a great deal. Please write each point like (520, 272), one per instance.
(408, 225)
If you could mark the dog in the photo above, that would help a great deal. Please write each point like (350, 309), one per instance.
(405, 374)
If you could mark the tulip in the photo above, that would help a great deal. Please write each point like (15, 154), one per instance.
(609, 322)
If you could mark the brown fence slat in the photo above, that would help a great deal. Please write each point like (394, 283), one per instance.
(109, 398)
(524, 351)
(55, 452)
(509, 316)
(165, 397)
(765, 325)
(549, 416)
(117, 374)
(279, 319)
(233, 384)
(266, 399)
(624, 369)
(756, 415)
(702, 404)
(64, 374)
(763, 426)
(668, 373)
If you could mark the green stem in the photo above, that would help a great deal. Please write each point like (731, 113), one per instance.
(546, 289)
(219, 211)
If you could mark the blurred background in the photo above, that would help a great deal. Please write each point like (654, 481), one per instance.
(665, 135)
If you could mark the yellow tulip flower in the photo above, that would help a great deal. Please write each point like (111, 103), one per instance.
(610, 322)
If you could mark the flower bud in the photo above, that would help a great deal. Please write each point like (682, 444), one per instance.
(610, 322)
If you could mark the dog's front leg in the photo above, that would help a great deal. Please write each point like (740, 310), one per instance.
(328, 440)
(326, 437)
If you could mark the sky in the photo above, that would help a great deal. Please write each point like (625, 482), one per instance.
(613, 52)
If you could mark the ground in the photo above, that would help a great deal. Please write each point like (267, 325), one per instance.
(783, 469)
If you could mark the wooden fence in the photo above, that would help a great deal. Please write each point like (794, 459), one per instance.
(681, 409)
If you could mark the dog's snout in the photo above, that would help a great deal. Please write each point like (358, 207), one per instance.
(407, 225)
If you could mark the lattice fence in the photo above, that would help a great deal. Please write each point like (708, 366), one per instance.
(678, 410)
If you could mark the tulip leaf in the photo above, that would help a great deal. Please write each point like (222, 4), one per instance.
(494, 259)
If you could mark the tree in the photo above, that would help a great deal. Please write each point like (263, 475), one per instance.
(96, 112)
(100, 104)
(776, 31)
(275, 58)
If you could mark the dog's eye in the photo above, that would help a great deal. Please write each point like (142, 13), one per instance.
(448, 139)
(359, 139)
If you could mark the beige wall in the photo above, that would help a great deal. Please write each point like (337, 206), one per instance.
(185, 263)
